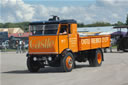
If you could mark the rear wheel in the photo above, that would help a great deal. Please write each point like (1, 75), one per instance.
(33, 66)
(95, 58)
(125, 50)
(67, 62)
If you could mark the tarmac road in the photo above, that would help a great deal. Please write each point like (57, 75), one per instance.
(114, 71)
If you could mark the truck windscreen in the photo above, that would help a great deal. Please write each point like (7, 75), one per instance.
(47, 29)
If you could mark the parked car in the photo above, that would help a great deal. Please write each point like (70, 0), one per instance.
(4, 45)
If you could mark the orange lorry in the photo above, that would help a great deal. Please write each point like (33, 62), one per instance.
(57, 43)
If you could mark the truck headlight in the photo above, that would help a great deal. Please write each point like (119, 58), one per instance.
(34, 59)
(49, 58)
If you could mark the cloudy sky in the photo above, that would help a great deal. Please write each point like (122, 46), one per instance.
(86, 11)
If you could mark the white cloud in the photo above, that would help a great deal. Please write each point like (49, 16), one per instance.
(16, 10)
(104, 10)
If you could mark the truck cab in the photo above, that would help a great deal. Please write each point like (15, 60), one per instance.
(53, 37)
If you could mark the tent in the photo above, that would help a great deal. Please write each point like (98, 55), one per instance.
(118, 33)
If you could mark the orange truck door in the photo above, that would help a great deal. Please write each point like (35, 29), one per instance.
(63, 38)
(63, 42)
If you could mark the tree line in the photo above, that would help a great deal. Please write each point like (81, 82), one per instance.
(22, 25)
(97, 24)
(25, 25)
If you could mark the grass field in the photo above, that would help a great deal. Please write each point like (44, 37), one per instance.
(10, 50)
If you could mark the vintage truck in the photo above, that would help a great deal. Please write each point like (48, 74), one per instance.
(57, 43)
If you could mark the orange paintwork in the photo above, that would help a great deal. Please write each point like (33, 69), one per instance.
(55, 44)
(43, 44)
(68, 40)
(69, 62)
(99, 58)
(63, 43)
(73, 38)
(93, 42)
(63, 39)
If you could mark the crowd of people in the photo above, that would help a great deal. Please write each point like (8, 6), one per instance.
(20, 46)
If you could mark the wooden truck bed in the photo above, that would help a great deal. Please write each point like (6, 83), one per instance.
(93, 42)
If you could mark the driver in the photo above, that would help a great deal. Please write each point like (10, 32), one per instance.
(63, 30)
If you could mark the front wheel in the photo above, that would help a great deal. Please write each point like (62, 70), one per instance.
(67, 62)
(33, 66)
(95, 58)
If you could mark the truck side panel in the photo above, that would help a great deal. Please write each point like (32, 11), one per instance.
(93, 42)
(43, 44)
(84, 43)
(73, 38)
(106, 41)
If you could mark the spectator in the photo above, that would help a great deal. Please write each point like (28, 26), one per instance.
(23, 46)
(20, 46)
(17, 46)
(4, 46)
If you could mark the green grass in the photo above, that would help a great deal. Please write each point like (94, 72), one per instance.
(115, 46)
(10, 50)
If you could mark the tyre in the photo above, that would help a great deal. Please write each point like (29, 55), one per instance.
(105, 50)
(67, 62)
(125, 50)
(95, 58)
(33, 66)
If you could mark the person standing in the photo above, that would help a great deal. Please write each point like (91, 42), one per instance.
(17, 46)
(20, 46)
(23, 46)
(4, 46)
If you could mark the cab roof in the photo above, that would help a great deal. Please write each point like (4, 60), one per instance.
(70, 21)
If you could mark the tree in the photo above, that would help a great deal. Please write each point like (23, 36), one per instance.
(80, 24)
(127, 20)
(119, 23)
(10, 25)
(22, 25)
(1, 25)
(98, 24)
